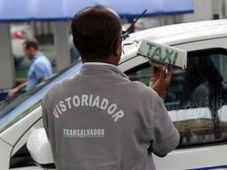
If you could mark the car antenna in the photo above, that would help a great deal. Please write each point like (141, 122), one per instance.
(125, 34)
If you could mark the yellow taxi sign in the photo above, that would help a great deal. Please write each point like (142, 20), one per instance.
(163, 54)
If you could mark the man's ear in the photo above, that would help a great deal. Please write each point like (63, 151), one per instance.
(117, 49)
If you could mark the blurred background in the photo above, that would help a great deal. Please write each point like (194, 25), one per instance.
(53, 33)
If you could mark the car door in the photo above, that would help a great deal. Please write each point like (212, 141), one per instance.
(197, 104)
(19, 118)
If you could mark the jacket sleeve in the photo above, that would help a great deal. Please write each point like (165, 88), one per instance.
(165, 136)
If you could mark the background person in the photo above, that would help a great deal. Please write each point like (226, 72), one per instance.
(101, 120)
(74, 55)
(39, 71)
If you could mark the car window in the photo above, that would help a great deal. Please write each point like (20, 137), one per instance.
(15, 110)
(197, 97)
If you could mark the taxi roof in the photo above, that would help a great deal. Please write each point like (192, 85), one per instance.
(180, 33)
(177, 34)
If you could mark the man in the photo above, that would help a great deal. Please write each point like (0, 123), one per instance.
(39, 71)
(100, 120)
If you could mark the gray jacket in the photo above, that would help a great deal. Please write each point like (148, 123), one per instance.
(100, 120)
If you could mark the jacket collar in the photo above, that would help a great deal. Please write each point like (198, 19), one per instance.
(98, 68)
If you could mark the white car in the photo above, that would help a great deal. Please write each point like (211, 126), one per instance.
(196, 101)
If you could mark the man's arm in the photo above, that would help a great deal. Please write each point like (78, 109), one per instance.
(165, 136)
(15, 90)
(43, 79)
(40, 72)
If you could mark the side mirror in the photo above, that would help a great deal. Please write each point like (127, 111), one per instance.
(39, 147)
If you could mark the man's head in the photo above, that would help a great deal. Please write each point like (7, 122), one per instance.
(30, 48)
(96, 34)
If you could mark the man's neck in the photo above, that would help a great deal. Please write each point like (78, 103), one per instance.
(34, 55)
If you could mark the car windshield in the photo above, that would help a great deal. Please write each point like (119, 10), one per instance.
(12, 111)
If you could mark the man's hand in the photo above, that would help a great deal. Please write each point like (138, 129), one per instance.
(12, 92)
(15, 90)
(160, 80)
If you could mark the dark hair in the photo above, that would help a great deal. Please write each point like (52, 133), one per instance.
(95, 31)
(31, 44)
